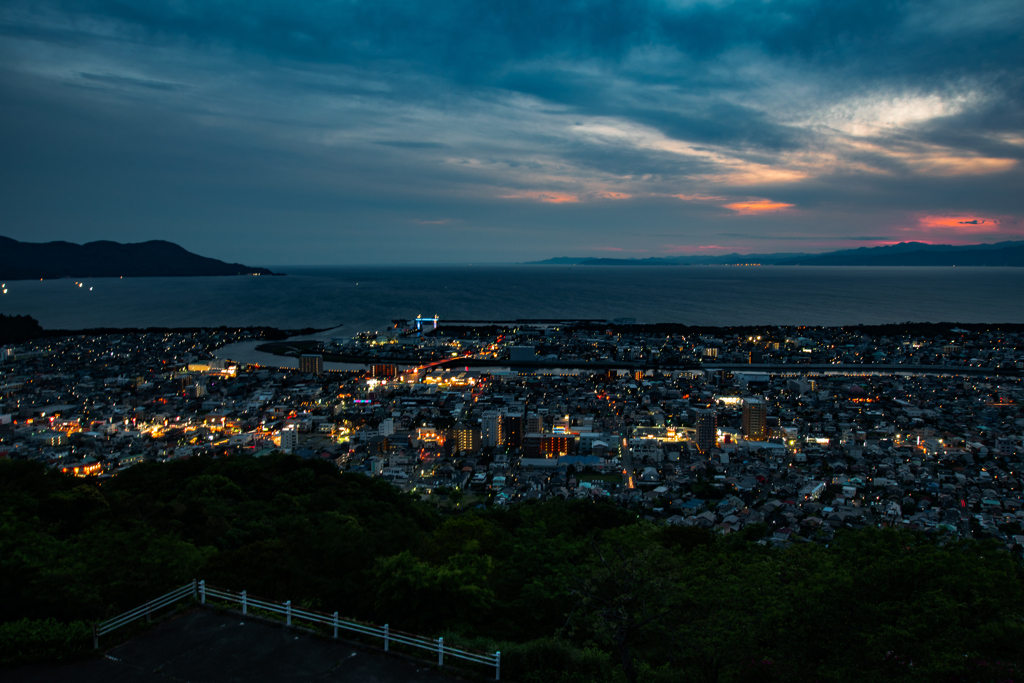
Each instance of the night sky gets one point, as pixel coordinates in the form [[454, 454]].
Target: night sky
[[469, 131]]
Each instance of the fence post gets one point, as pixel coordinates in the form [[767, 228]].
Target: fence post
[[195, 589], [440, 651], [497, 665], [95, 637], [335, 624], [245, 603], [387, 637], [202, 592], [288, 612]]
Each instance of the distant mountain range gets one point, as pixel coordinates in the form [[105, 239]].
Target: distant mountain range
[[902, 254], [35, 260]]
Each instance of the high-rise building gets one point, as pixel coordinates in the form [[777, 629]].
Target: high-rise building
[[534, 423], [531, 445], [548, 445], [491, 429], [755, 418], [555, 445], [289, 439], [465, 438], [707, 429], [311, 363], [384, 371], [513, 431]]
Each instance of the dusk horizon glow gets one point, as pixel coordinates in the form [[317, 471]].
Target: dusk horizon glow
[[452, 132]]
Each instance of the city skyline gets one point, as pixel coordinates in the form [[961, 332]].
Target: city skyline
[[452, 132]]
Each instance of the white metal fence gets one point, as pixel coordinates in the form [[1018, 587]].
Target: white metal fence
[[142, 611], [199, 591]]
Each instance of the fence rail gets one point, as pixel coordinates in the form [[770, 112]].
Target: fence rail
[[199, 591], [142, 611]]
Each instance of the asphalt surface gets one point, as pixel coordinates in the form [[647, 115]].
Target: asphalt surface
[[206, 646]]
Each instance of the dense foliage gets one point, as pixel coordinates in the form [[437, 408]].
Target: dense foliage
[[15, 329], [567, 590]]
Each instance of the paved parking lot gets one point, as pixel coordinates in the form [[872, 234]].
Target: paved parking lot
[[205, 646]]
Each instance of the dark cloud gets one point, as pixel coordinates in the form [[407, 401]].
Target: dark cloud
[[724, 123], [474, 40], [125, 81], [410, 144], [349, 122]]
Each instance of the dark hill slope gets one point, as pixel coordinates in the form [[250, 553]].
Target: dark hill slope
[[1005, 256], [157, 258]]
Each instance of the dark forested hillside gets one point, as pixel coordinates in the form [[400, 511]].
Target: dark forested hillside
[[569, 591], [156, 258], [15, 329]]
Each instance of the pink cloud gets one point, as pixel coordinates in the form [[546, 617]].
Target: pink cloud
[[745, 207], [757, 206], [699, 198], [614, 195], [957, 223], [966, 228], [547, 197]]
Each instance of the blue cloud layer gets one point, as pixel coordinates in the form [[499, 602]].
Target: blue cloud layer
[[510, 130]]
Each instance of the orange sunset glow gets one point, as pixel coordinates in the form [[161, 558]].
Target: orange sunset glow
[[965, 224], [546, 197], [757, 206]]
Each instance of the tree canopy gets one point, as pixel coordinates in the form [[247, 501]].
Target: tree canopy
[[568, 591]]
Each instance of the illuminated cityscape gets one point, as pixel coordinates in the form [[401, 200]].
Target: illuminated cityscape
[[834, 428], [610, 341]]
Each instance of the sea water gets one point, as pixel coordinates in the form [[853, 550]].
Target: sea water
[[356, 298], [361, 298]]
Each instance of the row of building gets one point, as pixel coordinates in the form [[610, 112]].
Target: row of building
[[801, 453]]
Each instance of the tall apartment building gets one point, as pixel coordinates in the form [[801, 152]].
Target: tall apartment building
[[755, 418], [289, 439], [514, 427], [553, 445], [707, 430], [492, 429], [311, 363], [548, 445], [384, 371], [534, 423], [465, 438]]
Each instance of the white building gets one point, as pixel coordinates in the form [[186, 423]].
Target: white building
[[289, 439]]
